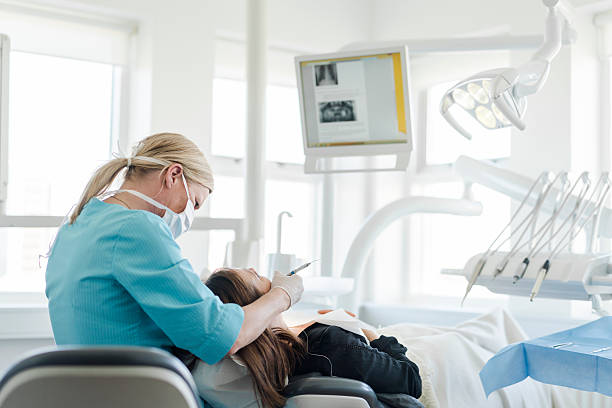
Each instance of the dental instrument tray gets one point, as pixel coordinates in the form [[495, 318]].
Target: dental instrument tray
[[570, 276], [579, 358], [552, 238]]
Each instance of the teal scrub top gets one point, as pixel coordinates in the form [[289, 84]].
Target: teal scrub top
[[116, 276]]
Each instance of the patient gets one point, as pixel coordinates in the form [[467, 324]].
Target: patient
[[281, 352], [448, 359]]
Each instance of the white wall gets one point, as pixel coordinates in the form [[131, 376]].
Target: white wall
[[310, 26], [564, 120], [586, 95], [409, 19]]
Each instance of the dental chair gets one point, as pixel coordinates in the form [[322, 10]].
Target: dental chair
[[135, 377]]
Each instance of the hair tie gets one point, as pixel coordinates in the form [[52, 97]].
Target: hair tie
[[129, 163]]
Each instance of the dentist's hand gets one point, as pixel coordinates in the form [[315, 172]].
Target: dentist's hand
[[261, 314], [292, 285]]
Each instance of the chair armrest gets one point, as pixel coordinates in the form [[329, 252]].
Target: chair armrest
[[319, 385]]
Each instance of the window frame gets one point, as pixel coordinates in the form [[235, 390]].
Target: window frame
[[235, 166], [420, 173], [34, 302], [226, 166], [119, 122], [117, 136], [276, 171]]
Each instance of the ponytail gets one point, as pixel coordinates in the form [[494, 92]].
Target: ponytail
[[99, 183], [154, 153]]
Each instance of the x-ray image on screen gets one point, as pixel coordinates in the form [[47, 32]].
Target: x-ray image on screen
[[326, 75], [337, 111]]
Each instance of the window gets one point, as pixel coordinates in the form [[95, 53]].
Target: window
[[65, 87], [227, 201], [287, 188], [448, 241], [297, 197], [228, 118], [283, 125], [434, 241], [61, 118], [19, 256], [414, 253]]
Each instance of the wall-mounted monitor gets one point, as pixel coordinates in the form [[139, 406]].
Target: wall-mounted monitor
[[355, 103]]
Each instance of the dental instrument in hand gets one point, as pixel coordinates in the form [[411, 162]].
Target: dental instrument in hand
[[535, 249], [482, 261], [299, 268], [604, 187]]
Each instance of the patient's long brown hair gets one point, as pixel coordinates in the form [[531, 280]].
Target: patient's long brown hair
[[272, 357]]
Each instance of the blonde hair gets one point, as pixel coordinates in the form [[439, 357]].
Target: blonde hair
[[167, 148]]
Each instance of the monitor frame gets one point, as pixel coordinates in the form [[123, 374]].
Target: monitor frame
[[359, 149]]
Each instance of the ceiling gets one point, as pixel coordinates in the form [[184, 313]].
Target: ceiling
[[592, 5], [579, 3]]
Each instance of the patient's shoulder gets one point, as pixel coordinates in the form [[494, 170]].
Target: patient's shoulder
[[332, 335]]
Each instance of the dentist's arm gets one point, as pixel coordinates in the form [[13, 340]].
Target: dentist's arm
[[285, 292]]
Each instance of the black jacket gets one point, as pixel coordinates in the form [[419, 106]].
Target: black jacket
[[382, 365]]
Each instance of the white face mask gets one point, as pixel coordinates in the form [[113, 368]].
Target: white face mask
[[182, 222], [178, 223]]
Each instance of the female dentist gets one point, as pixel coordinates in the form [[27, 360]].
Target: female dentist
[[116, 275]]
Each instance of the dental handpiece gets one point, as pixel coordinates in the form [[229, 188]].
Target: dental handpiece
[[477, 271], [299, 268], [520, 270], [538, 283], [570, 234]]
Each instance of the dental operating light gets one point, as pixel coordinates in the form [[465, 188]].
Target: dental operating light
[[497, 98]]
